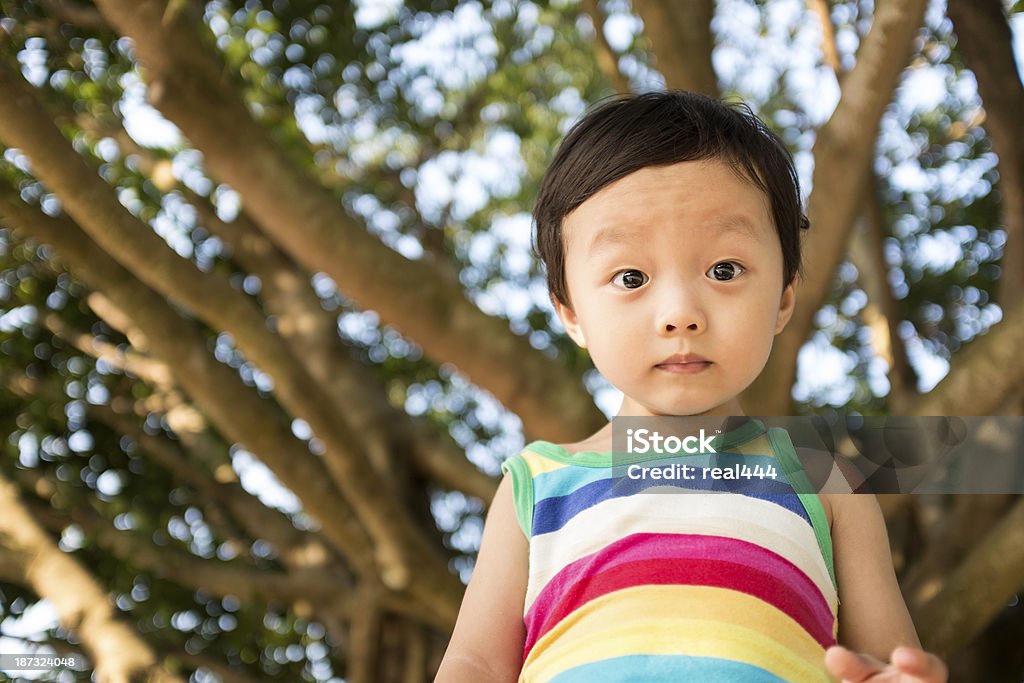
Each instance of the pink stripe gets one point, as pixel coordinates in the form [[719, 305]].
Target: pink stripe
[[572, 582]]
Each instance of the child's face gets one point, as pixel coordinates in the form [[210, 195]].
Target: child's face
[[655, 265]]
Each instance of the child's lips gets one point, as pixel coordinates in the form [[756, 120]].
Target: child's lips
[[690, 368]]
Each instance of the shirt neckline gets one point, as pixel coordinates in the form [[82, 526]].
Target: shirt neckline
[[748, 430]]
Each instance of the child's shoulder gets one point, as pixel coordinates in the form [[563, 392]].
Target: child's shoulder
[[566, 453], [586, 446], [829, 502], [855, 512], [598, 442]]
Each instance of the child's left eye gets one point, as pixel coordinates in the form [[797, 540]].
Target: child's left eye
[[725, 271]]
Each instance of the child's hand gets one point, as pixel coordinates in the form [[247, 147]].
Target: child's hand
[[909, 665]]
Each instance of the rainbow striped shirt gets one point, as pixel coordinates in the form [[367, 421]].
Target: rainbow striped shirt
[[716, 586]]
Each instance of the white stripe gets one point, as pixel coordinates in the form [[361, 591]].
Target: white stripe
[[754, 520]]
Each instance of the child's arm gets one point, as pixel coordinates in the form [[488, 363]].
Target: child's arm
[[873, 617], [487, 644]]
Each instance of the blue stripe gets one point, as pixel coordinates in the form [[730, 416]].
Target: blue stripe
[[565, 480], [552, 513], [653, 668]]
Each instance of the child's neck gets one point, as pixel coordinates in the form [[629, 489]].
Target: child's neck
[[724, 418], [731, 408]]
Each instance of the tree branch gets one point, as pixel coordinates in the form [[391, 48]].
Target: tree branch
[[312, 334], [13, 566], [364, 640], [399, 546], [978, 589], [883, 313], [607, 60], [830, 53], [231, 406], [299, 551], [235, 409], [967, 522], [118, 653], [224, 671], [388, 434], [867, 251], [186, 83], [986, 373], [309, 588], [152, 371], [680, 38], [81, 15], [415, 665], [248, 584], [296, 549], [986, 43], [846, 141]]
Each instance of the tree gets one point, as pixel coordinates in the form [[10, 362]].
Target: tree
[[321, 268]]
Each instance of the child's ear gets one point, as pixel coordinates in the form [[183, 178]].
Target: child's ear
[[569, 322], [786, 306]]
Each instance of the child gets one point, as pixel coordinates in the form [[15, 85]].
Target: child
[[670, 227]]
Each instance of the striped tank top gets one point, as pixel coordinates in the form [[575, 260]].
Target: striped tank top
[[663, 586]]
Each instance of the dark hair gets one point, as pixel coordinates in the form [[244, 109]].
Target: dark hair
[[632, 132]]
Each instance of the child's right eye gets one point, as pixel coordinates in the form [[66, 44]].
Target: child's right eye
[[631, 279]]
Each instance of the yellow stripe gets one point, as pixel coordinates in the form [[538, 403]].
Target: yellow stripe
[[711, 622], [759, 446], [539, 464]]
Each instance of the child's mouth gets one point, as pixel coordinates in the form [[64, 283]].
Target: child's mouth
[[685, 368]]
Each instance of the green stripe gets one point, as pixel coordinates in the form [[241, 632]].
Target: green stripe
[[522, 491], [720, 442], [783, 446]]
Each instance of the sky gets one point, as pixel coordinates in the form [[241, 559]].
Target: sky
[[466, 181]]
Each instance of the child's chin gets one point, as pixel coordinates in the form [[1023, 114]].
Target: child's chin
[[685, 409]]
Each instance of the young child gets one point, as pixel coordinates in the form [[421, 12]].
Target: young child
[[670, 227]]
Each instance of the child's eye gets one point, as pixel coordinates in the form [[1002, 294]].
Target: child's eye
[[725, 271], [631, 279]]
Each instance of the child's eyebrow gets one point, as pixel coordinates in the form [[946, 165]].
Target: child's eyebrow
[[608, 237], [739, 226], [735, 225]]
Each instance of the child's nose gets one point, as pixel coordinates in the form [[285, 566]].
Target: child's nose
[[681, 309]]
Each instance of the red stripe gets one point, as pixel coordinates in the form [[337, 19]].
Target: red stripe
[[678, 548], [601, 576]]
